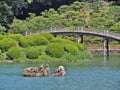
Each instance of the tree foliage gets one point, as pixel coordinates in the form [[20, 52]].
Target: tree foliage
[[46, 14]]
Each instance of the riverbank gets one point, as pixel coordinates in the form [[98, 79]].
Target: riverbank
[[97, 49], [39, 61], [101, 51]]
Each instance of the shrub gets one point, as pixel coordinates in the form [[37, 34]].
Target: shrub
[[55, 50], [39, 40], [16, 37], [6, 43], [42, 49], [26, 41], [72, 49], [1, 55], [79, 56], [33, 40], [48, 36], [14, 52], [61, 41], [32, 53], [2, 37], [81, 47]]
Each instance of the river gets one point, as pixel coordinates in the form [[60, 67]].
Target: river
[[98, 74]]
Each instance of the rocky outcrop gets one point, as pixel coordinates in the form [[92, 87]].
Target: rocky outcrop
[[59, 71], [43, 71], [37, 72]]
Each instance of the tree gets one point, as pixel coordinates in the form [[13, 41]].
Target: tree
[[6, 15], [17, 5], [2, 28], [114, 13], [63, 9], [19, 26], [116, 27]]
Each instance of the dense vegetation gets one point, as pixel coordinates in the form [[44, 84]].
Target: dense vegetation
[[64, 13], [52, 48]]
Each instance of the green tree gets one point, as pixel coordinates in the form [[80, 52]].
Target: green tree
[[63, 9], [114, 13], [17, 5], [19, 26], [116, 27], [6, 15], [2, 28]]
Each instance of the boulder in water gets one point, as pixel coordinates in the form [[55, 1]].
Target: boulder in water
[[59, 71], [37, 72]]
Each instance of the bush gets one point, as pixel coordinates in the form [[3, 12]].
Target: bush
[[79, 56], [6, 43], [39, 40], [26, 41], [48, 36], [32, 53], [33, 40], [61, 41], [42, 49], [55, 50], [81, 47], [1, 55], [72, 49], [14, 52], [16, 37], [2, 37]]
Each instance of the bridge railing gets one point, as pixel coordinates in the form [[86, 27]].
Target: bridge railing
[[102, 32], [88, 30]]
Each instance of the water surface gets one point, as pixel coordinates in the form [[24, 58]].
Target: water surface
[[97, 74]]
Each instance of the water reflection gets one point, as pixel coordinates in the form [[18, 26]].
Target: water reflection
[[106, 59]]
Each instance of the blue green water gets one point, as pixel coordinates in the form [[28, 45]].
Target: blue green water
[[97, 74]]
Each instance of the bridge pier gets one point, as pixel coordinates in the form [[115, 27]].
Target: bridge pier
[[80, 38], [106, 47]]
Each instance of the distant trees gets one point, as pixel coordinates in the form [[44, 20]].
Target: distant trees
[[82, 14], [6, 14]]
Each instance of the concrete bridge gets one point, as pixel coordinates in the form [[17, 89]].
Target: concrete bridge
[[105, 34]]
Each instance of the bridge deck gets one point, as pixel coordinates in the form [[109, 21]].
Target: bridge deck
[[102, 33]]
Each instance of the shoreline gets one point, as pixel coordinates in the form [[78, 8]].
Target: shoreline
[[39, 61], [93, 51], [101, 51]]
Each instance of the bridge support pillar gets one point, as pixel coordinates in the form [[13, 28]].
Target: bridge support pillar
[[80, 38], [106, 47]]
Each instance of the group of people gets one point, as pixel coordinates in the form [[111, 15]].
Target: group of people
[[43, 71]]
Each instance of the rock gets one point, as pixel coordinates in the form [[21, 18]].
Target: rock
[[41, 68], [30, 71], [37, 72], [59, 71], [47, 69], [61, 68], [41, 71], [45, 73]]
